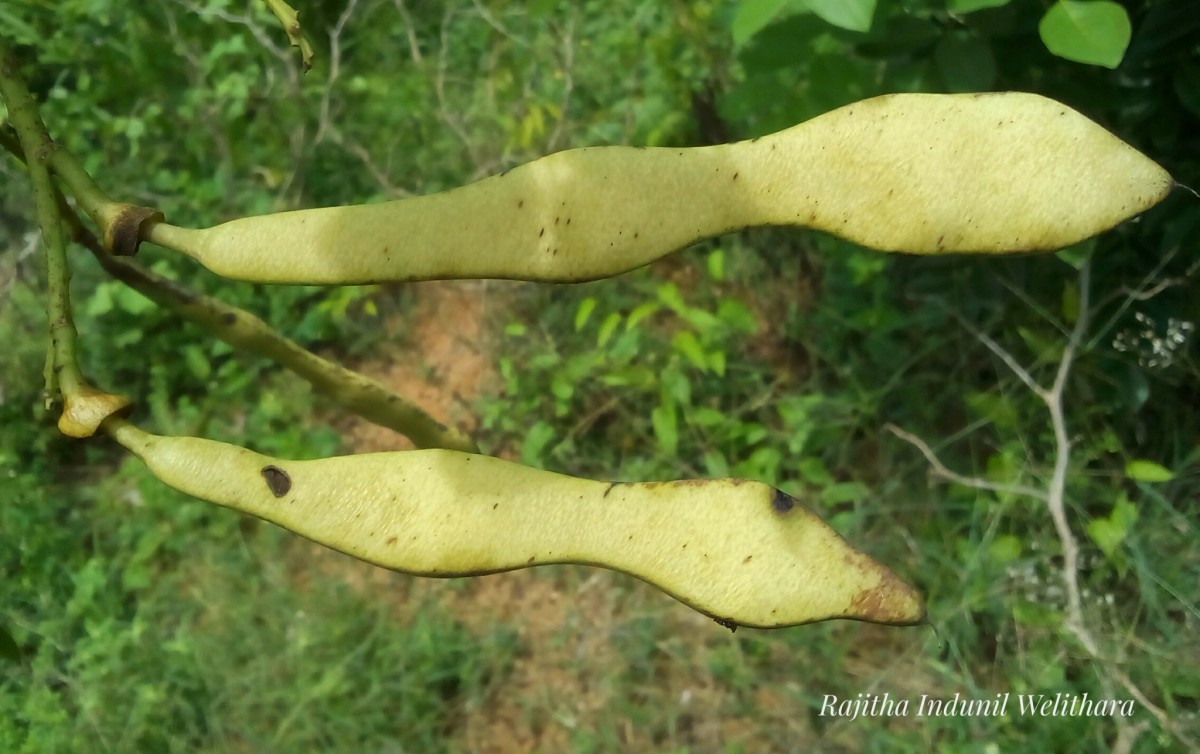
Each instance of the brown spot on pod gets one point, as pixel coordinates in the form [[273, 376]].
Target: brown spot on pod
[[277, 479], [782, 503], [727, 623]]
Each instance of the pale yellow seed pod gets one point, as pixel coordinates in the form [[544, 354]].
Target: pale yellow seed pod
[[917, 173], [739, 551]]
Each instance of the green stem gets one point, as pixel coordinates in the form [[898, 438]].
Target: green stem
[[84, 407], [37, 145]]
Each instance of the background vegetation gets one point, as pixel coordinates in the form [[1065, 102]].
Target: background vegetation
[[144, 621]]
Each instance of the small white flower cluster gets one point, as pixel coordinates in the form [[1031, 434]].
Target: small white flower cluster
[[1154, 350], [1038, 581]]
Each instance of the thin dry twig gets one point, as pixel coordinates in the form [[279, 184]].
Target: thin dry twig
[[414, 49], [938, 469]]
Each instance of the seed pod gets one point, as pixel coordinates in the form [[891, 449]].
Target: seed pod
[[917, 173], [739, 551]]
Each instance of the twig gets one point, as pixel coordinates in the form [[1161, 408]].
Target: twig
[[84, 407], [414, 49], [939, 469]]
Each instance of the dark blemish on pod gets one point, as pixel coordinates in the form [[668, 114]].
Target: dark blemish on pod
[[277, 480], [727, 623], [229, 318], [748, 559], [390, 541], [495, 506], [735, 175], [541, 232], [520, 203], [782, 503]]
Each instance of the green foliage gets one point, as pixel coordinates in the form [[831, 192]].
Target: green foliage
[[1087, 31]]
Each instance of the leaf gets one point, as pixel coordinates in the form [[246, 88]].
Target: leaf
[[844, 492], [685, 343], [665, 429], [752, 16], [539, 436], [716, 265], [1077, 254], [607, 328], [1004, 549], [1147, 471], [639, 313], [1095, 32], [716, 361], [584, 311], [854, 15], [737, 315], [1108, 533]]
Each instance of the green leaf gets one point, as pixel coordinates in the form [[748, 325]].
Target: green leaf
[[607, 327], [737, 315], [1108, 533], [968, 6], [586, 307], [538, 437], [1078, 254], [715, 464], [1095, 32], [665, 429], [685, 343], [854, 15], [668, 293], [813, 471], [752, 16], [1147, 471], [129, 300], [716, 265], [844, 492], [639, 313], [716, 361], [101, 301], [197, 361], [1004, 549], [703, 416]]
